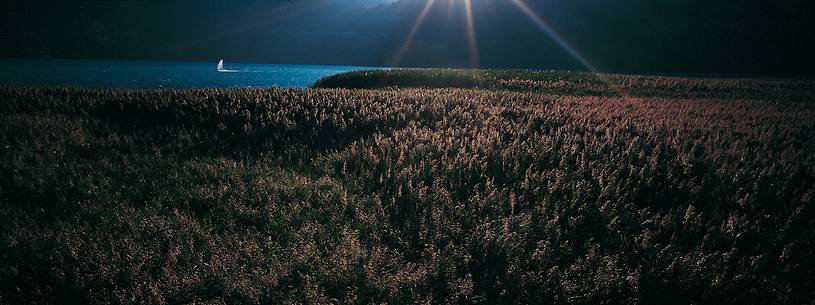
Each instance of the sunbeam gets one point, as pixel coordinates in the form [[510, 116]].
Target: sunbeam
[[546, 28], [416, 26], [471, 38]]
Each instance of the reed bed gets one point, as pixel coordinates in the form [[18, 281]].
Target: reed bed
[[407, 195]]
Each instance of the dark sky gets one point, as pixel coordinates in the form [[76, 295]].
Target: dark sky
[[755, 37]]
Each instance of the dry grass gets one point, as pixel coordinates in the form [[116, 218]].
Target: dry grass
[[403, 196]]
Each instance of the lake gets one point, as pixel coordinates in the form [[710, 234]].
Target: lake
[[160, 74]]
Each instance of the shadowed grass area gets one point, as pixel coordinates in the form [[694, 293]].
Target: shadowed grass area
[[576, 83], [408, 78], [408, 195]]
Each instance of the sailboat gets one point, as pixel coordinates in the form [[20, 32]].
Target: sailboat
[[221, 69]]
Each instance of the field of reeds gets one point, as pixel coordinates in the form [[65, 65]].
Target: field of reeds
[[577, 83], [689, 194]]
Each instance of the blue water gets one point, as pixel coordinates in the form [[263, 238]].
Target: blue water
[[155, 74]]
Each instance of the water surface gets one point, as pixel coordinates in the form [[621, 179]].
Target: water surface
[[160, 74]]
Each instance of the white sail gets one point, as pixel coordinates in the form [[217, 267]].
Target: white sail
[[220, 68]]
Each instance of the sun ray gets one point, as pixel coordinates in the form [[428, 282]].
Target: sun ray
[[546, 28], [416, 26], [450, 4], [471, 38]]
